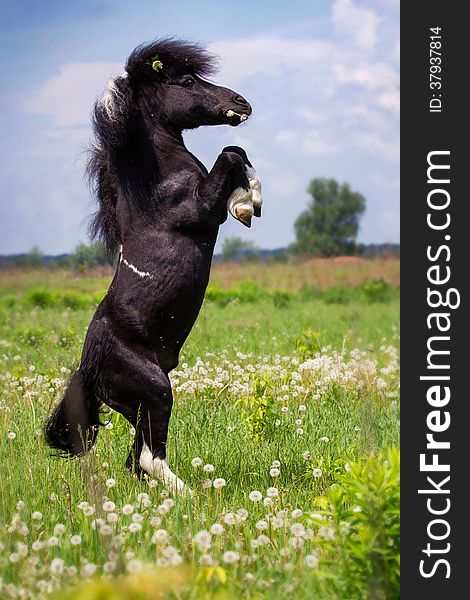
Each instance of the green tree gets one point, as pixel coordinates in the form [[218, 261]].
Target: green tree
[[330, 224], [235, 247], [84, 257]]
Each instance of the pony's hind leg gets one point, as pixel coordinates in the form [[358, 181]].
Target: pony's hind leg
[[141, 392]]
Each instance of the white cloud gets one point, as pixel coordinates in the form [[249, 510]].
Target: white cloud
[[69, 96], [357, 23], [322, 107]]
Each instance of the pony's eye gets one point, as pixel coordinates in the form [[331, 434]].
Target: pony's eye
[[188, 82]]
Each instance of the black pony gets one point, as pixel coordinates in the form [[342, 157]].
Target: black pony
[[161, 208]]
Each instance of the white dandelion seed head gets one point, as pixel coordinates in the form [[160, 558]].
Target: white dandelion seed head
[[217, 529], [59, 529], [230, 557], [88, 570], [196, 462], [219, 483], [57, 566], [255, 496], [127, 509], [311, 561]]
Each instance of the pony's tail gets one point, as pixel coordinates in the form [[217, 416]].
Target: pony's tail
[[73, 426]]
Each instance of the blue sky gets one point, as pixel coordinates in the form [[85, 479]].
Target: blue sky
[[322, 76]]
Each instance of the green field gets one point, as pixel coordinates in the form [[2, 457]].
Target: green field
[[290, 390]]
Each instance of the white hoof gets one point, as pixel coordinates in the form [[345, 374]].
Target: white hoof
[[240, 205], [159, 469]]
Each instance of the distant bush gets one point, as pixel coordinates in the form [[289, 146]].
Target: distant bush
[[281, 298], [338, 295], [377, 291], [41, 298]]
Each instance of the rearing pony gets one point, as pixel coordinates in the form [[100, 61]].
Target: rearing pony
[[160, 207]]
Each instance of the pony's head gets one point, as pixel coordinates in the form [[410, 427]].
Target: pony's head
[[165, 82]]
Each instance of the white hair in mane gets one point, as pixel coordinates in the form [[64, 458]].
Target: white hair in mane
[[110, 96]]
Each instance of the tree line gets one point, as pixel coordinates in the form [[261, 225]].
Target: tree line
[[327, 228]]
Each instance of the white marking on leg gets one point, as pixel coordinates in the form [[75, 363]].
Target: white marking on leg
[[158, 468]]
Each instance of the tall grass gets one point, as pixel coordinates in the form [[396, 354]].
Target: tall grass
[[295, 398]]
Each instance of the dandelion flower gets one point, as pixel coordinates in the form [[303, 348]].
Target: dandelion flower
[[135, 527], [106, 530], [311, 561], [317, 472], [203, 539], [276, 464], [59, 529], [277, 522], [109, 567], [112, 517], [209, 468], [296, 542], [206, 484], [274, 472], [11, 435], [272, 492], [306, 455], [14, 557], [255, 496], [36, 516], [219, 483], [297, 529], [134, 566], [127, 509], [297, 513], [325, 439], [76, 540], [37, 545], [110, 482], [268, 502], [242, 513], [161, 535], [230, 519], [217, 529], [53, 541], [230, 557], [196, 462], [261, 525], [88, 510], [88, 570], [57, 566]]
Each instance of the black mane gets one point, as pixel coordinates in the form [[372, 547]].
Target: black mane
[[114, 119]]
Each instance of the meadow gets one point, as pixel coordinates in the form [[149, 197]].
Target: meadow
[[285, 424]]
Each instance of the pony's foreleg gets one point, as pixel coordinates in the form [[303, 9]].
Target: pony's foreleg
[[228, 176]]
